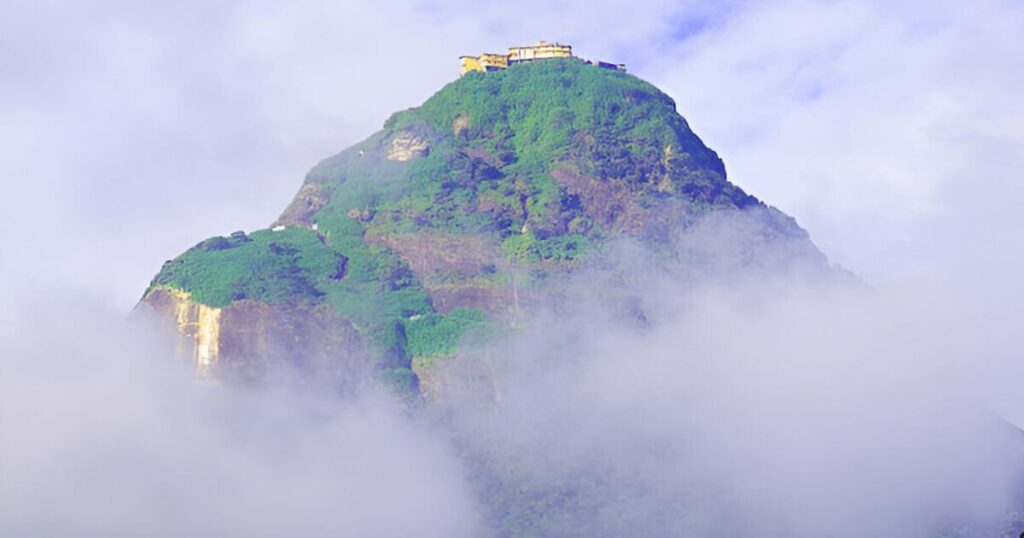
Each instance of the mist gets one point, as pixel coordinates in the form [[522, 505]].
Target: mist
[[746, 401], [747, 404], [105, 433], [770, 408]]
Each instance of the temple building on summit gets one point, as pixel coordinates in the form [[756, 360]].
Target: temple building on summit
[[541, 50]]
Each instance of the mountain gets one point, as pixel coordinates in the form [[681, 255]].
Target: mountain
[[460, 220]]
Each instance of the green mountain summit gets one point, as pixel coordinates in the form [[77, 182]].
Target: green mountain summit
[[458, 219]]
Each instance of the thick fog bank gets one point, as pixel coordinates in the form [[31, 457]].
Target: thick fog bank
[[103, 434], [755, 405], [738, 403], [718, 403]]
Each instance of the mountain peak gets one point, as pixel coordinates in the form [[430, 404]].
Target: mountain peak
[[465, 214]]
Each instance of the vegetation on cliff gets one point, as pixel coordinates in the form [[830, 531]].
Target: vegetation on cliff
[[266, 266], [487, 195]]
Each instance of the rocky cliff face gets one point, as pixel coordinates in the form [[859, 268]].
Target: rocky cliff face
[[197, 325], [246, 340], [460, 218]]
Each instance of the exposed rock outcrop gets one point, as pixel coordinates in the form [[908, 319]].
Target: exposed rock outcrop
[[247, 340], [406, 145], [310, 199]]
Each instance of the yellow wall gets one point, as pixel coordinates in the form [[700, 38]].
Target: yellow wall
[[483, 62], [538, 51], [470, 63], [499, 61]]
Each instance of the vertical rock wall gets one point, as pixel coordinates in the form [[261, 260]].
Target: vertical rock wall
[[248, 340]]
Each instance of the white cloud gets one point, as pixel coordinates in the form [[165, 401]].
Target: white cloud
[[865, 120], [103, 436], [772, 408]]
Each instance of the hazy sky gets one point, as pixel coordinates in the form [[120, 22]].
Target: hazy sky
[[132, 131]]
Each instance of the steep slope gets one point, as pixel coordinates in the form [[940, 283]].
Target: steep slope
[[463, 215]]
